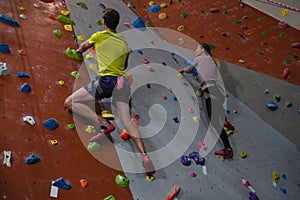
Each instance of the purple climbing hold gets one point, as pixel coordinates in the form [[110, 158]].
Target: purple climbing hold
[[253, 196], [196, 157], [185, 160]]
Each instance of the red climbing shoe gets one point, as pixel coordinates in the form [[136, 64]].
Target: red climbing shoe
[[228, 125], [227, 153], [148, 165], [106, 132]]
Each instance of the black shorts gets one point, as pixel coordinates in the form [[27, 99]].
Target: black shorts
[[102, 86]]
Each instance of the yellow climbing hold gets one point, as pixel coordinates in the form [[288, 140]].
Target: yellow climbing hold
[[88, 56], [199, 93], [181, 41], [65, 12], [54, 142], [163, 5], [162, 16], [180, 28], [150, 178], [93, 67], [90, 129], [151, 3], [241, 61], [243, 154], [180, 75], [22, 8], [61, 82], [80, 37], [284, 12], [196, 119], [68, 27], [275, 176]]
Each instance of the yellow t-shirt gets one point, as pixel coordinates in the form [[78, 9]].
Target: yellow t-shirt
[[112, 52]]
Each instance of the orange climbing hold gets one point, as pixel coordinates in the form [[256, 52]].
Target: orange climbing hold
[[124, 135], [83, 183]]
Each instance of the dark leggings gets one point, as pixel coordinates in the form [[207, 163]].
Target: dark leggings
[[217, 102]]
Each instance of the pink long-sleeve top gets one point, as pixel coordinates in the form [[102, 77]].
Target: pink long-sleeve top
[[206, 68]]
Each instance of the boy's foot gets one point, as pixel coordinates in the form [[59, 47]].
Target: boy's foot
[[148, 165], [228, 125], [106, 132], [226, 153]]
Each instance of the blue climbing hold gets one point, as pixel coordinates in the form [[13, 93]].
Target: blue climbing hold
[[62, 183], [101, 5], [25, 88], [187, 63], [272, 106], [4, 48], [23, 75], [174, 98], [283, 190], [50, 124], [8, 20], [140, 52], [138, 23], [154, 9], [298, 111], [175, 119], [32, 159], [283, 176]]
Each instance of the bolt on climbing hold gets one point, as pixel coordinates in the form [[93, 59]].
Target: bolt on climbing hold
[[83, 183], [21, 52], [6, 159], [22, 8], [202, 145], [282, 190], [281, 34], [193, 174], [163, 5], [62, 183], [275, 177], [94, 147], [81, 37], [23, 16], [284, 12], [164, 97], [277, 98], [65, 19], [145, 61], [241, 61], [68, 27], [183, 15], [287, 61], [185, 160], [36, 5], [289, 104], [61, 82], [50, 124], [110, 197], [272, 106], [82, 5], [162, 16], [92, 67], [196, 119], [71, 126], [181, 28], [150, 178], [29, 119], [122, 180], [259, 19], [285, 73], [236, 21], [214, 10], [75, 74], [260, 53], [150, 69], [267, 91], [243, 154], [65, 12], [54, 142], [181, 41], [175, 119], [32, 159], [71, 53], [3, 69], [25, 88], [57, 33], [124, 135], [99, 22], [246, 183], [90, 129]]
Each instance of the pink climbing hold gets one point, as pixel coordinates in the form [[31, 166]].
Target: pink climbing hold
[[202, 145], [127, 24], [193, 174], [164, 97], [246, 182], [145, 61], [286, 73], [191, 110], [244, 26], [282, 25], [296, 45], [150, 68], [170, 89], [214, 10]]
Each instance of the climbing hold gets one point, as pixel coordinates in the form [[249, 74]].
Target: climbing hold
[[285, 73], [62, 183], [36, 5], [196, 157], [83, 183], [127, 24], [175, 119], [191, 110], [284, 12], [93, 67], [237, 21], [57, 33], [70, 126], [65, 19], [264, 33], [163, 5], [82, 5], [281, 34], [162, 16], [140, 52], [88, 56], [110, 197], [164, 97], [23, 16], [4, 48], [224, 34], [183, 15], [8, 20], [174, 98], [3, 69], [181, 28], [181, 41], [124, 135], [150, 69], [98, 22], [185, 160], [68, 27], [193, 174], [29, 119], [81, 37], [272, 106], [71, 53], [199, 92], [54, 142], [289, 104], [21, 52], [32, 159], [275, 176], [295, 45], [245, 17], [94, 147], [122, 180], [65, 12], [244, 26], [283, 176], [283, 190], [138, 23], [6, 159], [287, 61], [151, 3], [241, 61], [214, 10], [101, 5], [202, 145], [243, 154], [282, 25], [150, 178], [277, 97], [148, 85], [22, 8], [259, 19], [52, 17], [154, 8], [25, 88], [145, 61], [180, 75], [235, 111], [90, 129], [267, 91], [260, 53], [170, 89], [253, 196], [51, 124]]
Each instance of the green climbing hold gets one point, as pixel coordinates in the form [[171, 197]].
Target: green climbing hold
[[260, 53], [110, 197], [122, 180], [264, 33], [278, 98], [94, 147], [225, 12], [178, 0], [65, 19], [287, 61], [90, 25], [212, 46], [99, 22], [259, 19], [71, 126], [183, 15], [237, 21], [71, 53], [289, 104], [298, 185], [75, 74], [82, 5], [57, 33], [281, 34]]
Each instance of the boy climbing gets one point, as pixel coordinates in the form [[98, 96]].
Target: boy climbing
[[112, 56], [207, 69]]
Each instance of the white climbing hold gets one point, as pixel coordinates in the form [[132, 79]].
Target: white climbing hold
[[29, 119], [7, 157]]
